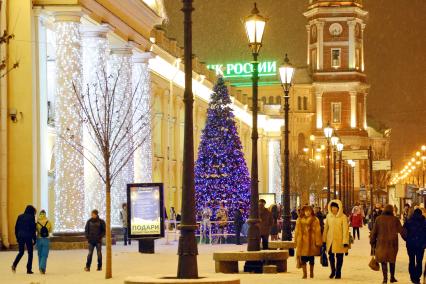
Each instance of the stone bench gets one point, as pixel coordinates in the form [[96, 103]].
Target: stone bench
[[282, 245], [227, 262]]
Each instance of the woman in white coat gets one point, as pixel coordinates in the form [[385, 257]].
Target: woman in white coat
[[336, 237]]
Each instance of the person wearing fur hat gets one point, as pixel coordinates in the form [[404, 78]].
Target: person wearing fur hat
[[384, 240], [308, 239], [336, 237]]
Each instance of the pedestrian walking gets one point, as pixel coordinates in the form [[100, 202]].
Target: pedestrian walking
[[94, 231], [206, 214], [44, 228], [265, 223], [415, 229], [384, 241], [377, 211], [25, 232], [294, 216], [356, 221], [308, 240], [336, 237], [274, 228], [238, 223], [222, 218], [406, 213], [124, 224], [320, 216]]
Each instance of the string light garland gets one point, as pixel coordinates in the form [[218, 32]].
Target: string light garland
[[95, 58], [141, 84], [69, 165], [221, 173]]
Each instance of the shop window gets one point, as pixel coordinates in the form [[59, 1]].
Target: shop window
[[271, 100], [336, 112], [278, 100], [335, 57]]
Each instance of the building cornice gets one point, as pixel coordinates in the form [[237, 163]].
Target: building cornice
[[335, 10]]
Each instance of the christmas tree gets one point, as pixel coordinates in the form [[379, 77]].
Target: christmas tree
[[221, 173]]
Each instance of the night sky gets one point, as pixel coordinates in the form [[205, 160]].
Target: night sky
[[395, 53]]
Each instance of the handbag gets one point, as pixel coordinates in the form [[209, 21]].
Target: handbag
[[374, 265], [323, 257]]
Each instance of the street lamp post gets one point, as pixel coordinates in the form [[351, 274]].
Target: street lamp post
[[334, 142], [286, 76], [328, 132], [187, 250], [255, 26], [340, 149]]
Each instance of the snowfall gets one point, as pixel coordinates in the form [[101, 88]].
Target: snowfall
[[66, 267]]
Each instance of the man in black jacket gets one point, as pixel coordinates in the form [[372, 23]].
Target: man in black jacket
[[94, 231], [416, 242], [25, 232]]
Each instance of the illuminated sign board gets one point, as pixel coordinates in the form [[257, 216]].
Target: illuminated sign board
[[242, 70], [145, 213]]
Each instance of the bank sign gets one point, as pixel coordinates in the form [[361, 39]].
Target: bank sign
[[145, 213], [244, 69]]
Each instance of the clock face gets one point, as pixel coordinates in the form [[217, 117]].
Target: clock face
[[336, 29], [314, 32]]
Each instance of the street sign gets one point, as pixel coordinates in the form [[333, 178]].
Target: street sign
[[382, 165], [355, 154], [244, 69]]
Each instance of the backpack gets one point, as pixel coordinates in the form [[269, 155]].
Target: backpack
[[44, 232]]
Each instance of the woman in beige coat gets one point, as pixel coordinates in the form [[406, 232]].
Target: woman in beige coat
[[336, 237], [308, 239]]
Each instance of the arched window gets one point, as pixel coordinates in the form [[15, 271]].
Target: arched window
[[278, 100], [305, 103], [263, 100], [271, 100], [299, 103], [300, 143]]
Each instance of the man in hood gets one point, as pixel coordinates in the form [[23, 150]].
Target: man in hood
[[25, 232], [336, 237]]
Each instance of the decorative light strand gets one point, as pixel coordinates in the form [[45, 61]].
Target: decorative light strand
[[69, 165]]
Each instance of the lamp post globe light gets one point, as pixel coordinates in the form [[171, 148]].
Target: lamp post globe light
[[328, 132], [255, 26], [334, 141], [286, 76]]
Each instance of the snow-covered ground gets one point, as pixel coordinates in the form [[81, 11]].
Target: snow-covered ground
[[66, 267]]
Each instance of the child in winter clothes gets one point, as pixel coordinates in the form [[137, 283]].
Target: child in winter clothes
[[356, 221], [308, 239], [44, 228]]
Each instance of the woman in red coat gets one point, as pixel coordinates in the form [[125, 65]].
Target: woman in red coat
[[356, 220]]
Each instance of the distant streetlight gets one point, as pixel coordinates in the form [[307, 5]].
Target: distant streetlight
[[328, 132], [286, 76]]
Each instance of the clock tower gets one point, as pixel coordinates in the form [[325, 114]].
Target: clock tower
[[335, 55]]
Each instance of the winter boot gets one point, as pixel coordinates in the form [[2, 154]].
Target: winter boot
[[305, 273], [311, 270], [385, 272], [392, 273]]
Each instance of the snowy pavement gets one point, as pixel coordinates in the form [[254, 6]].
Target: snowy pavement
[[66, 267]]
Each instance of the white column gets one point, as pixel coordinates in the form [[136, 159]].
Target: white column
[[365, 111], [308, 56], [353, 95], [69, 165], [95, 56], [120, 64], [141, 84], [351, 61], [320, 52], [319, 110]]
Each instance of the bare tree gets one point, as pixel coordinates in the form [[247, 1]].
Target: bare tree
[[118, 123], [5, 38]]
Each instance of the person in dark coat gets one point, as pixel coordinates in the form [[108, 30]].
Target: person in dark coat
[[384, 241], [94, 231], [238, 222], [320, 217], [275, 217], [265, 223], [415, 228], [25, 232]]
